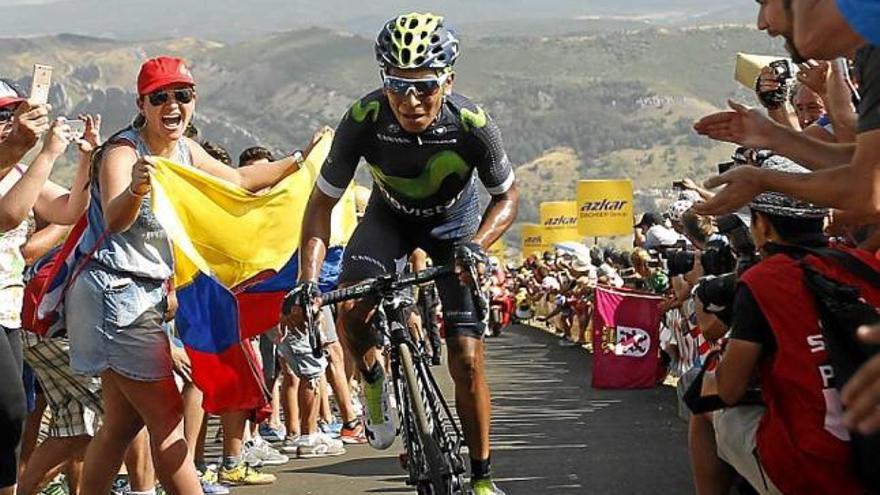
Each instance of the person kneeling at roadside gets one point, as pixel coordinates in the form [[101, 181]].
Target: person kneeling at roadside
[[797, 442]]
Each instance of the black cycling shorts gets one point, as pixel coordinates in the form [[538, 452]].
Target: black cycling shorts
[[382, 243]]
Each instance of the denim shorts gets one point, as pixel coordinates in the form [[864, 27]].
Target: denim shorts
[[115, 322], [296, 350]]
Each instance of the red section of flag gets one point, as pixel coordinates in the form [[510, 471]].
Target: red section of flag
[[219, 376], [258, 312], [626, 343]]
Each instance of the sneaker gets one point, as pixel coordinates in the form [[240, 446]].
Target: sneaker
[[330, 429], [267, 455], [356, 407], [272, 434], [244, 474], [209, 488], [486, 487], [58, 486], [381, 429], [290, 446], [355, 435], [120, 485], [319, 445], [209, 474]]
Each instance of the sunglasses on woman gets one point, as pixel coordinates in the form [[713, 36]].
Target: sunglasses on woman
[[183, 95], [419, 87], [6, 114]]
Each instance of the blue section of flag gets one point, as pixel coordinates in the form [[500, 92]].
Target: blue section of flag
[[285, 280], [207, 316]]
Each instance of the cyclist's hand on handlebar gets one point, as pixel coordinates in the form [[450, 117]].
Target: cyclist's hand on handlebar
[[469, 259], [293, 316]]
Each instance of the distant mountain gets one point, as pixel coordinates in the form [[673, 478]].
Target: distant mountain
[[235, 20], [620, 103]]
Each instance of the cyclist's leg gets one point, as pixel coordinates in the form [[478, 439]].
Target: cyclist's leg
[[376, 248], [464, 340]]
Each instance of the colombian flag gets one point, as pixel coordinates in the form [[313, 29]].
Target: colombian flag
[[235, 258]]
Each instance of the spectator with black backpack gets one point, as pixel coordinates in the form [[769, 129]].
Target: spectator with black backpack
[[794, 325]]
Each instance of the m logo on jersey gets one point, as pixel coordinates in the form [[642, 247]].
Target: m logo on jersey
[[439, 168], [632, 342]]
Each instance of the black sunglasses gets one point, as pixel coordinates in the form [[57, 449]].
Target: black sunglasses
[[6, 114], [183, 95]]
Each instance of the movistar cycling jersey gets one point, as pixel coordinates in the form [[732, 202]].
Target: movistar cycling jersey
[[429, 176]]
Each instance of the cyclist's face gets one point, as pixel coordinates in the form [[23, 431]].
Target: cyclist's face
[[416, 112]]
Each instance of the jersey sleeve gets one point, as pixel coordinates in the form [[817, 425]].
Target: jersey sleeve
[[342, 161], [493, 166]]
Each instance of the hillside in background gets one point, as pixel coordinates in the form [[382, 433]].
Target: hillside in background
[[587, 105], [234, 20]]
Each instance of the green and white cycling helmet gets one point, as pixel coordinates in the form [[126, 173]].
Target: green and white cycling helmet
[[417, 41]]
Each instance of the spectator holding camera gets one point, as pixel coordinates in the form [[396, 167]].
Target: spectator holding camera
[[24, 193], [846, 179], [801, 442]]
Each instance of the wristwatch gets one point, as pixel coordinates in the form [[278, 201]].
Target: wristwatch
[[298, 157]]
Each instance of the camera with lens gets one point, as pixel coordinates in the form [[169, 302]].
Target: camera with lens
[[717, 290], [776, 98], [716, 258]]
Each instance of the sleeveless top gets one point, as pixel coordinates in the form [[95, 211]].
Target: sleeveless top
[[143, 250], [12, 263]]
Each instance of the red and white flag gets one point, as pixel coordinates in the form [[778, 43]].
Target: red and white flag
[[626, 342]]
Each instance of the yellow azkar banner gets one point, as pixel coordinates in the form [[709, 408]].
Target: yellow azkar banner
[[559, 220], [533, 240], [605, 207]]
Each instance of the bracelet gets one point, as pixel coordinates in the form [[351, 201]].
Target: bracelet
[[137, 195]]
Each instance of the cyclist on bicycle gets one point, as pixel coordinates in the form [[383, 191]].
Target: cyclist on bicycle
[[425, 146]]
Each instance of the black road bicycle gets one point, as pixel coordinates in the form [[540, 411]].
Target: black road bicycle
[[431, 435]]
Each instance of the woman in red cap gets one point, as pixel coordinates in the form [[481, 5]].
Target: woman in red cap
[[119, 301]]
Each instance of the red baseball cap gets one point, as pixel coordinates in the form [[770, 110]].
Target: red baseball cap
[[159, 72], [10, 94]]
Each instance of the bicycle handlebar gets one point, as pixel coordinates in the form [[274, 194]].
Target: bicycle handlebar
[[385, 284]]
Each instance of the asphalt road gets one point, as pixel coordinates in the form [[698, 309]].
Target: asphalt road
[[552, 433]]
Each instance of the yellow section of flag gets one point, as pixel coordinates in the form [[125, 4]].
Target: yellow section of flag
[[222, 230]]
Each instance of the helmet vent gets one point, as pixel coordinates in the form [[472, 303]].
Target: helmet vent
[[405, 55], [413, 23], [408, 38]]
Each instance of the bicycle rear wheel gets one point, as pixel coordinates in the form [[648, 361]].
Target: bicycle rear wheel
[[439, 480]]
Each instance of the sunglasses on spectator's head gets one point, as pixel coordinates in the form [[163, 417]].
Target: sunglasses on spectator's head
[[6, 114], [183, 95], [419, 87]]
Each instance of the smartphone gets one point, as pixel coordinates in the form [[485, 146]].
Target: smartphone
[[77, 128], [40, 84], [678, 185]]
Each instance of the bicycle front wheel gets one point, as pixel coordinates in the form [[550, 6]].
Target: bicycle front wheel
[[439, 480]]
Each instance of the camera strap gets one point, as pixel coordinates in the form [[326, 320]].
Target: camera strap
[[852, 264]]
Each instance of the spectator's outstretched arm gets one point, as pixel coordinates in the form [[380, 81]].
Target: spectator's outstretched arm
[[854, 187], [749, 127], [821, 32], [861, 395]]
